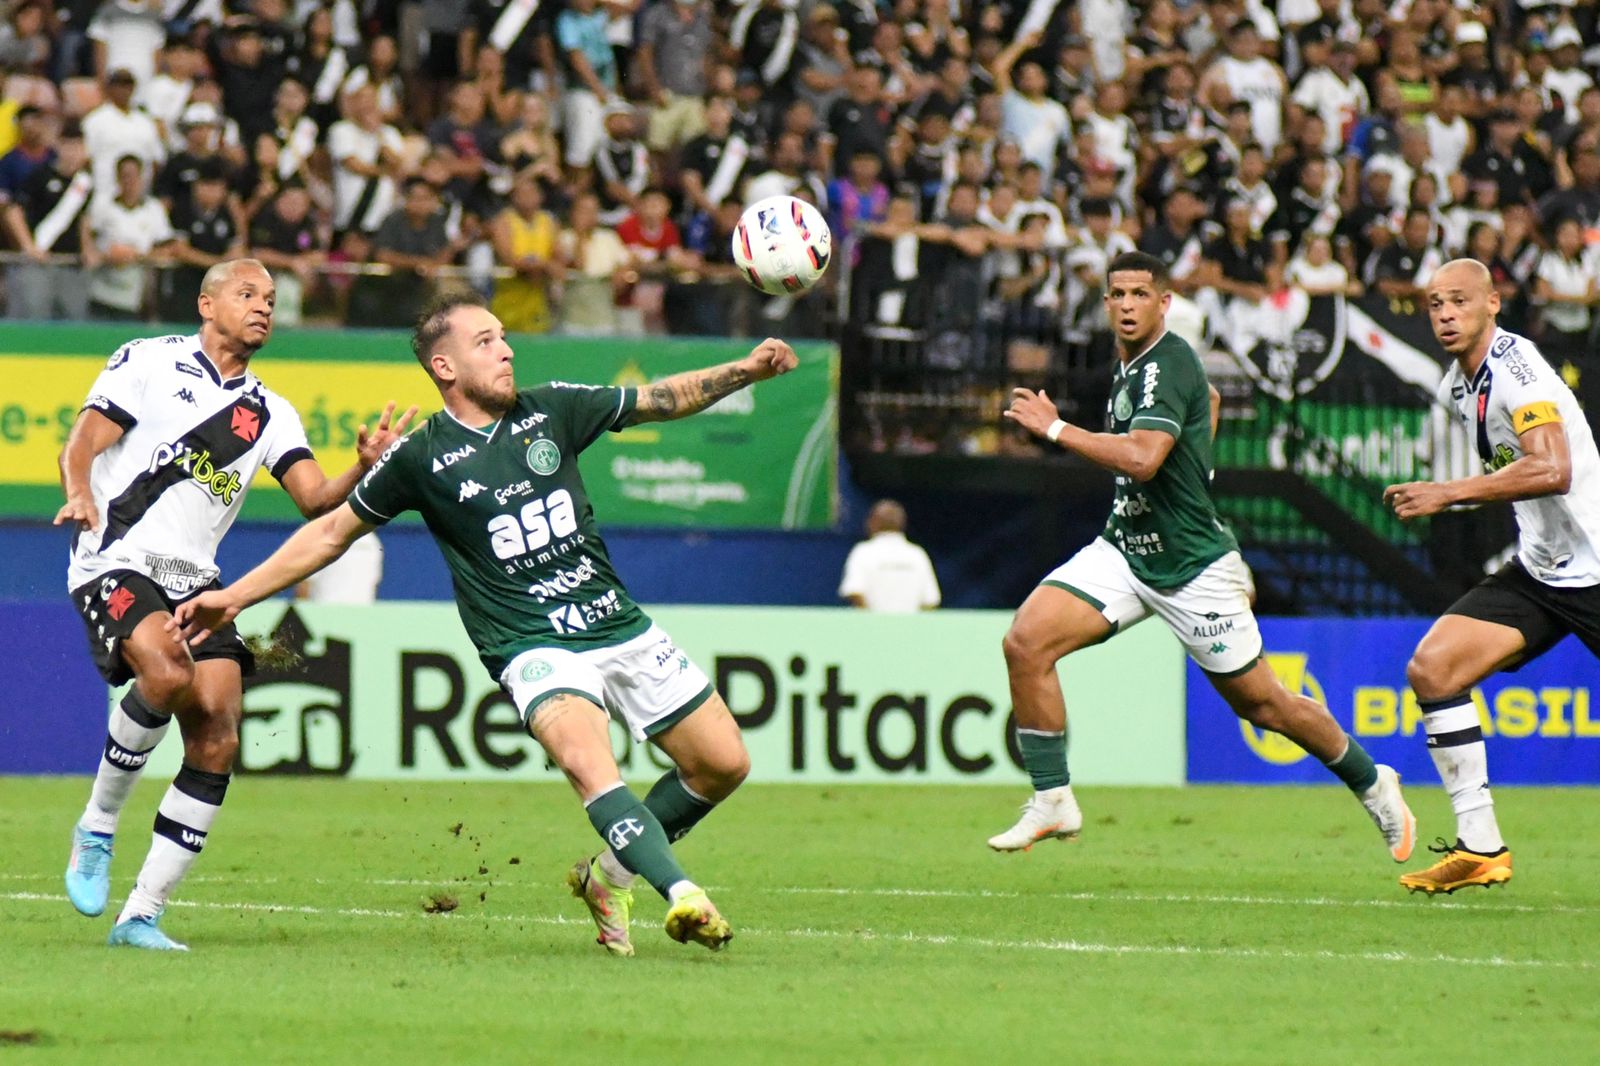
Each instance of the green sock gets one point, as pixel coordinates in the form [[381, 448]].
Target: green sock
[[675, 807], [1355, 767], [635, 836], [1045, 757]]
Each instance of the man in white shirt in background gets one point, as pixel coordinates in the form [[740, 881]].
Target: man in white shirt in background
[[887, 573], [115, 129], [352, 578]]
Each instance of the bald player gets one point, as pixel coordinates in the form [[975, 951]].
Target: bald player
[[154, 472], [886, 572], [1539, 455]]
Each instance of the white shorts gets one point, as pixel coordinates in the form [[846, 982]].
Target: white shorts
[[1210, 615], [646, 683]]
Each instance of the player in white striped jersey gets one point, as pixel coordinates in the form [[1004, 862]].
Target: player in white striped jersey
[[155, 470], [1539, 454]]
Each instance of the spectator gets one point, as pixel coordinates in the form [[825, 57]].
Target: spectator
[[524, 237], [530, 146], [36, 132], [1405, 69], [49, 216], [1411, 162], [115, 130], [765, 33], [413, 244], [1237, 266], [1484, 243], [859, 198], [1245, 74], [824, 61], [352, 578], [293, 131], [1306, 213], [1579, 198], [1175, 239], [466, 131], [859, 122], [208, 230], [1404, 267], [1028, 283], [1505, 159], [130, 229], [1566, 78], [1482, 206], [1473, 73], [1331, 91], [1450, 136], [285, 239], [1038, 124], [675, 39], [164, 96], [788, 176], [1098, 243], [716, 309], [249, 79], [656, 249], [591, 78], [201, 127], [322, 66], [1565, 288], [713, 163], [448, 55], [886, 573], [1249, 184], [501, 101], [622, 164], [366, 155], [126, 35], [1317, 273], [381, 73], [595, 261]]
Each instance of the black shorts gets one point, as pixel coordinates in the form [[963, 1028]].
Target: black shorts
[[1542, 613], [113, 605]]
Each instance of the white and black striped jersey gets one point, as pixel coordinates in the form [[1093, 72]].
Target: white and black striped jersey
[[1515, 390], [172, 484]]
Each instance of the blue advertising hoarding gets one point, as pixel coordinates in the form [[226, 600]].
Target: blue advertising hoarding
[[1542, 722], [53, 707]]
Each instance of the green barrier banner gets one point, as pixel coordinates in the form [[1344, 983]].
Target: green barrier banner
[[395, 692], [763, 458]]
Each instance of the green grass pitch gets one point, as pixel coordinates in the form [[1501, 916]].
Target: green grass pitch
[[1206, 925]]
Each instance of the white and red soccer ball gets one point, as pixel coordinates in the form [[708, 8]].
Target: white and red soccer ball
[[783, 245]]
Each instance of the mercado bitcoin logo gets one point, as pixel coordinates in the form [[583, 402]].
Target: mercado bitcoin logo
[[1271, 747]]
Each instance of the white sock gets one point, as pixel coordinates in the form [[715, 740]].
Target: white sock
[[1054, 795], [679, 890], [1455, 740], [618, 874], [182, 824], [132, 734]]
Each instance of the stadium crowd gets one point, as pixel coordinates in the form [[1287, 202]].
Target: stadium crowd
[[584, 163]]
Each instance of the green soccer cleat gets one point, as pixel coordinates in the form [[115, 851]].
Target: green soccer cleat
[[609, 906], [694, 917]]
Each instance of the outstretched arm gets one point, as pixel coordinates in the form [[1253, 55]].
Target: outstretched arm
[[1138, 454], [1216, 409], [313, 546], [1545, 469], [315, 493], [688, 393]]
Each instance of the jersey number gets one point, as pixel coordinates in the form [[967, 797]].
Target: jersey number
[[535, 526]]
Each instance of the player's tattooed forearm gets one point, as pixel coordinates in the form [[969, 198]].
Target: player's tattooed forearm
[[686, 394]]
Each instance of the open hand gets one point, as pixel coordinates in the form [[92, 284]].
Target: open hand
[[1417, 499], [79, 509], [194, 620], [369, 449], [1033, 411], [769, 359]]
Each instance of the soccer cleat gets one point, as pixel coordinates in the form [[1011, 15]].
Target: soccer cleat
[[1043, 818], [1389, 812], [141, 931], [694, 917], [89, 871], [609, 906], [1459, 868]]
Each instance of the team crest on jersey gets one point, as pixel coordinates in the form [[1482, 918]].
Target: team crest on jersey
[[1122, 408], [119, 357], [543, 456], [535, 669], [246, 425]]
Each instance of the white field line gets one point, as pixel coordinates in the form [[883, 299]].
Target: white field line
[[1164, 898], [1071, 947]]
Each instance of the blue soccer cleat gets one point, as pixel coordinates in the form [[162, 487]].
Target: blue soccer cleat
[[89, 871], [141, 931]]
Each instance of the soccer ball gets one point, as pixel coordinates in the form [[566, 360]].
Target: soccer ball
[[782, 245]]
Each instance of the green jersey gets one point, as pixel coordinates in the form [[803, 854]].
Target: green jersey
[[507, 506], [1167, 528]]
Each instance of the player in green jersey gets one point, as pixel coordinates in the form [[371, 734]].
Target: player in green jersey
[[1165, 552], [495, 476]]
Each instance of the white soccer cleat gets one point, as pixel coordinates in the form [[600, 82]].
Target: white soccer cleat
[[1389, 812], [1047, 815]]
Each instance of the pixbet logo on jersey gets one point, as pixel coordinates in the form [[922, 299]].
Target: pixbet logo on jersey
[[198, 465]]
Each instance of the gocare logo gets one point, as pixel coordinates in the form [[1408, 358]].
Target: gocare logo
[[521, 488], [221, 483]]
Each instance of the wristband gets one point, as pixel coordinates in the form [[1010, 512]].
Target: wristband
[[1054, 431]]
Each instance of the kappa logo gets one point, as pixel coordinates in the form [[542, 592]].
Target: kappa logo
[[452, 458], [529, 422], [1218, 648], [186, 396], [469, 489], [621, 832], [118, 602], [544, 457], [246, 425]]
